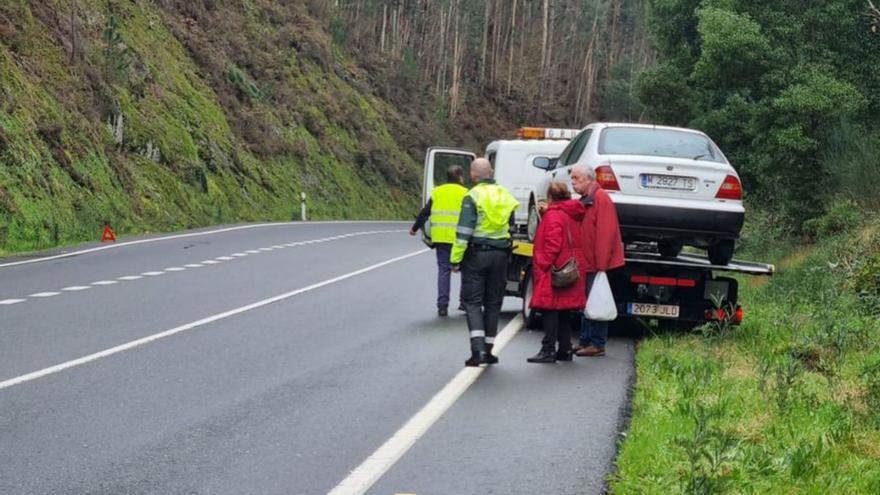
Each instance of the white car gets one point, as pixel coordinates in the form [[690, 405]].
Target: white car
[[512, 160], [670, 185]]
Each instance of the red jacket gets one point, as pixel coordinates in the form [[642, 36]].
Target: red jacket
[[552, 249], [602, 241]]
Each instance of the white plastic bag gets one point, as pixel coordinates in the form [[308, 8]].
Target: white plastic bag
[[600, 301]]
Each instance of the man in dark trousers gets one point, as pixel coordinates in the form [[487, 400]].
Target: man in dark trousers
[[443, 209], [603, 249], [481, 250]]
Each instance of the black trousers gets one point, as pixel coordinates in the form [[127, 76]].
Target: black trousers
[[557, 327], [483, 282]]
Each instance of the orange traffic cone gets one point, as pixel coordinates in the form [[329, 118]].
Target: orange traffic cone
[[108, 234]]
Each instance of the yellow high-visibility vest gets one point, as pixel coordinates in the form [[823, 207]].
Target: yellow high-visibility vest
[[445, 208]]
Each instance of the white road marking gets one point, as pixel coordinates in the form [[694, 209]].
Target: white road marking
[[364, 476], [174, 269], [130, 277], [278, 246], [204, 321], [9, 302], [253, 251], [44, 294], [194, 265], [210, 262], [224, 258], [76, 288], [267, 249], [239, 255], [152, 274], [105, 282], [191, 234]]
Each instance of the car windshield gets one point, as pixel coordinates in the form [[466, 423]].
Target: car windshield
[[657, 142]]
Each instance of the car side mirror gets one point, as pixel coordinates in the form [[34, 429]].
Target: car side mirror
[[542, 162]]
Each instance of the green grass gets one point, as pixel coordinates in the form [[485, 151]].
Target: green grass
[[789, 402]]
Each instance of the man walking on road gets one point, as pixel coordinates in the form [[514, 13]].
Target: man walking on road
[[443, 209], [603, 249], [481, 249]]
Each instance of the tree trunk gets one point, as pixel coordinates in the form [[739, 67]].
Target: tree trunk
[[510, 50]]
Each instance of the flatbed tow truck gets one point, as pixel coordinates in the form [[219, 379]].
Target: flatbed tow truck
[[681, 292]]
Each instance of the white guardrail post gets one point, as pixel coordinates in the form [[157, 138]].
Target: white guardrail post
[[303, 206]]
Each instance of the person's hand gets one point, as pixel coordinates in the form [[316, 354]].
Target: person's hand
[[412, 231], [456, 268], [542, 207]]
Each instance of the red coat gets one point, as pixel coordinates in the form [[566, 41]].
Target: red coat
[[552, 249], [602, 241]]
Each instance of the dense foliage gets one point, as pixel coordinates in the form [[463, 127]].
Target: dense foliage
[[789, 89]]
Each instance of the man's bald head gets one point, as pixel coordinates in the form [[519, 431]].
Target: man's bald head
[[481, 169]]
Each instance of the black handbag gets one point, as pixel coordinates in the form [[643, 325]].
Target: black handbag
[[568, 274]]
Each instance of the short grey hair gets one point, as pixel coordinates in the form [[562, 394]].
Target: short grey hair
[[481, 169], [587, 171]]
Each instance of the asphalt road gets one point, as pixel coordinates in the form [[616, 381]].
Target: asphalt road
[[277, 359]]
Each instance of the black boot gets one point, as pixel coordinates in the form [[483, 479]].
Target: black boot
[[546, 355], [564, 355], [442, 311], [478, 352], [490, 358]]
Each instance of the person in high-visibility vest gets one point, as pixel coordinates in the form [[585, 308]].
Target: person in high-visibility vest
[[481, 251], [443, 209]]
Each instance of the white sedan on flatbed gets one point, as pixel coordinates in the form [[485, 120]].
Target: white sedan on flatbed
[[670, 185]]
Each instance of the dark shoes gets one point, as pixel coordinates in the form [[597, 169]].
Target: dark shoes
[[564, 355], [478, 358], [544, 356], [590, 351], [442, 311]]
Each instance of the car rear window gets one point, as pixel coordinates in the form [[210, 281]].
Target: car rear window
[[657, 142]]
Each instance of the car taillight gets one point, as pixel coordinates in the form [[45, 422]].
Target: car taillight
[[606, 178], [730, 189]]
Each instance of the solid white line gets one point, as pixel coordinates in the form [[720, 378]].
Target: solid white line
[[8, 302], [364, 476], [105, 282], [130, 277], [44, 294], [175, 269], [204, 321], [76, 288], [191, 234]]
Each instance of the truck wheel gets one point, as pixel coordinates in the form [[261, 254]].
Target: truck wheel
[[721, 252], [530, 316], [669, 248], [534, 220]]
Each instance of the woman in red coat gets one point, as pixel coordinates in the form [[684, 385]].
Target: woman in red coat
[[558, 239]]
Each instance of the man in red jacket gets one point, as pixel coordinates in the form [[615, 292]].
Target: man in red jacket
[[603, 249]]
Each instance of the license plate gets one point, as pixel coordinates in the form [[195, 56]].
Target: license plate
[[656, 310], [655, 181]]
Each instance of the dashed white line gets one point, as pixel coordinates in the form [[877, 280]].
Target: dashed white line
[[364, 476], [76, 288], [9, 302], [152, 274], [130, 277], [210, 262], [194, 265], [224, 258], [175, 269], [44, 294], [265, 249], [278, 246], [105, 282], [239, 255], [204, 321], [253, 251]]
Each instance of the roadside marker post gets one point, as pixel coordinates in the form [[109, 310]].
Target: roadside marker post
[[302, 204]]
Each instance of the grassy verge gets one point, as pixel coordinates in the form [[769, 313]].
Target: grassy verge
[[787, 403]]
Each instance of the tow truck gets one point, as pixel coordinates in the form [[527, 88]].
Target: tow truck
[[682, 291]]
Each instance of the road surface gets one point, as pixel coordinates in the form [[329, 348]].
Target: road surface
[[278, 359]]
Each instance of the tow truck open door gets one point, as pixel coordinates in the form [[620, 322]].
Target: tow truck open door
[[437, 161]]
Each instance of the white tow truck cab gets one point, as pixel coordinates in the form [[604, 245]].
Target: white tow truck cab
[[683, 291]]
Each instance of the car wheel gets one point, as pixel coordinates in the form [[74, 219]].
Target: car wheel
[[669, 248], [534, 220], [721, 252], [530, 316]]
